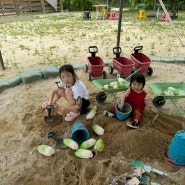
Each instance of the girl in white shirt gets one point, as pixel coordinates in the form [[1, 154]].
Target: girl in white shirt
[[73, 90]]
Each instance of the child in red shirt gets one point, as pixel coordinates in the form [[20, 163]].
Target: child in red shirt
[[136, 97]]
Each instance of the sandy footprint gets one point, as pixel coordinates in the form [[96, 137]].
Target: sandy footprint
[[70, 172]]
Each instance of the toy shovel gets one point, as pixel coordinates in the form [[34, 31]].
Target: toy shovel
[[49, 117], [58, 140], [150, 122]]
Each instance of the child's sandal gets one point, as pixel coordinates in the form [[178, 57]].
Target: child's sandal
[[71, 116], [133, 124]]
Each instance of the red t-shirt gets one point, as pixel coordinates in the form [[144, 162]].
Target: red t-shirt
[[136, 100]]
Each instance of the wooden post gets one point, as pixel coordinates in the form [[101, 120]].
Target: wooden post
[[16, 7], [43, 6], [61, 5], [1, 61], [2, 7]]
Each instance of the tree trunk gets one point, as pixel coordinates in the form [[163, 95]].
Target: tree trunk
[[1, 61], [61, 5]]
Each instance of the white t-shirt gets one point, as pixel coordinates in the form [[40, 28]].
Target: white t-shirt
[[79, 89]]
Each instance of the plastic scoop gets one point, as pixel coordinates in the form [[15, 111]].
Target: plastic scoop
[[49, 117], [150, 122], [59, 141]]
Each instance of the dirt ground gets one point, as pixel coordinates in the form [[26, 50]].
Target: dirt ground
[[23, 129]]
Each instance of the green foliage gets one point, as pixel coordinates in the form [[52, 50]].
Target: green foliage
[[23, 47], [82, 5], [78, 5]]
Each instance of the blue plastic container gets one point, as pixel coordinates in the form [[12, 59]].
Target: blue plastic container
[[176, 150], [123, 115], [79, 132]]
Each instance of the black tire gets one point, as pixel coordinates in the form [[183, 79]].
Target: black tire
[[90, 77], [159, 101], [86, 68], [101, 97], [119, 75], [110, 69], [132, 71], [104, 75], [150, 71]]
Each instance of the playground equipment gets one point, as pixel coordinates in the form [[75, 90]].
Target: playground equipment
[[164, 17], [100, 12], [169, 18], [113, 15], [102, 95], [95, 64], [158, 89], [141, 14], [141, 11], [155, 13], [100, 84], [123, 65], [141, 61], [87, 15]]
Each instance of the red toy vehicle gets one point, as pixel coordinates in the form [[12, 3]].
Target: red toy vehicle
[[123, 65], [141, 61], [95, 64]]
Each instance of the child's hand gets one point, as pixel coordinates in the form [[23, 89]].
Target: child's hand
[[61, 111], [150, 106], [120, 106]]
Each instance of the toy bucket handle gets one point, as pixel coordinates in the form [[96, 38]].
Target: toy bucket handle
[[93, 50], [137, 48], [117, 51]]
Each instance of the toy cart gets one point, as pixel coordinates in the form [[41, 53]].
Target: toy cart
[[123, 65], [158, 89], [95, 64], [141, 61], [102, 96]]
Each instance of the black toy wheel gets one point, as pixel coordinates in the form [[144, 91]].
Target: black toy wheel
[[132, 71], [110, 69], [86, 68], [104, 75], [90, 77], [119, 75], [101, 97], [159, 101], [150, 71]]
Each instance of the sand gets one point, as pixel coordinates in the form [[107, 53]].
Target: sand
[[23, 129]]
